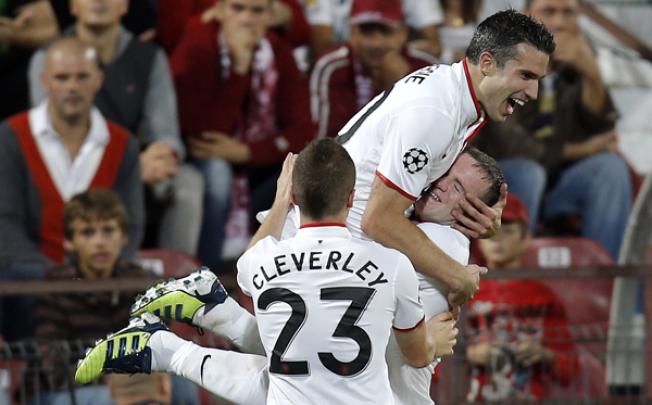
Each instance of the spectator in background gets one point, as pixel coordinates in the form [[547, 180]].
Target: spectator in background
[[244, 106], [460, 20], [140, 18], [374, 57], [329, 21], [51, 152], [138, 93], [287, 20], [95, 227], [24, 26], [519, 341], [559, 153], [95, 224]]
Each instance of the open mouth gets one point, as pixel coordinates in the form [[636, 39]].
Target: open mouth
[[512, 101]]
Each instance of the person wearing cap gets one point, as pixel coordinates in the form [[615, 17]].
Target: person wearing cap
[[243, 105], [374, 57], [518, 333], [329, 23]]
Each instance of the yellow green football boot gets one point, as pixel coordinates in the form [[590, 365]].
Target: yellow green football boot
[[180, 299], [125, 351]]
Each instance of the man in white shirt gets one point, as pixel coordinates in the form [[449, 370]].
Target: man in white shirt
[[48, 154], [342, 297]]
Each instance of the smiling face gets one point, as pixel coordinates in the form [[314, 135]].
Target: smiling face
[[463, 179], [97, 244], [502, 89]]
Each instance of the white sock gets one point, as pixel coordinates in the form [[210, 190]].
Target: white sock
[[164, 345], [233, 322]]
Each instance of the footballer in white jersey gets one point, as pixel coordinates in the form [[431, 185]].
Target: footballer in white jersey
[[410, 385], [411, 134], [324, 303]]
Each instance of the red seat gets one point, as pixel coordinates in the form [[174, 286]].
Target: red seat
[[565, 252], [587, 301]]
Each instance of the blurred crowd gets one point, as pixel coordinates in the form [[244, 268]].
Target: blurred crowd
[[164, 124]]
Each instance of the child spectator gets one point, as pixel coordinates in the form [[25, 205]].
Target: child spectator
[[519, 341], [95, 226]]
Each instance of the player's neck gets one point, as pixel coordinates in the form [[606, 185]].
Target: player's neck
[[476, 78], [328, 219]]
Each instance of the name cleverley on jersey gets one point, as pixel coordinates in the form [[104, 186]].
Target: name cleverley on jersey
[[319, 260]]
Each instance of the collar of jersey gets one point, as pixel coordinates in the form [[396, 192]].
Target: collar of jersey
[[333, 229], [469, 82]]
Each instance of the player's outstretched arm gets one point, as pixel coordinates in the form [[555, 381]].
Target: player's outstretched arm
[[274, 221], [385, 222]]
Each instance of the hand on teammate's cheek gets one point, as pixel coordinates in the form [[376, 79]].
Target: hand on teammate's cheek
[[476, 219]]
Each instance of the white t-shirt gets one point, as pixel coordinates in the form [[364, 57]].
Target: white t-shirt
[[411, 386], [325, 303], [418, 14], [410, 135]]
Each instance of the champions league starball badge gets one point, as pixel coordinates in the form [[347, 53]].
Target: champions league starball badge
[[415, 160]]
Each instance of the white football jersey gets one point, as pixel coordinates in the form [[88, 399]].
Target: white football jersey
[[411, 386], [410, 135], [325, 304]]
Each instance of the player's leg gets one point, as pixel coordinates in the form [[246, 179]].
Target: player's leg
[[147, 345], [200, 299]]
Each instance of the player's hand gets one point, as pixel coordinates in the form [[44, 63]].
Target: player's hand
[[530, 352], [284, 182], [467, 285], [476, 219], [441, 328]]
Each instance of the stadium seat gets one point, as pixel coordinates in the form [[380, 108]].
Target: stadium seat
[[565, 252], [587, 301]]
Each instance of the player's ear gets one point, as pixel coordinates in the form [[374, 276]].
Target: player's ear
[[487, 63], [349, 202], [293, 198]]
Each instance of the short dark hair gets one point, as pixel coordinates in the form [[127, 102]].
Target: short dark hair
[[323, 178], [492, 172], [94, 204], [500, 33]]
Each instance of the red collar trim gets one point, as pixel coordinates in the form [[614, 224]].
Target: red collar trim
[[319, 224], [469, 82]]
